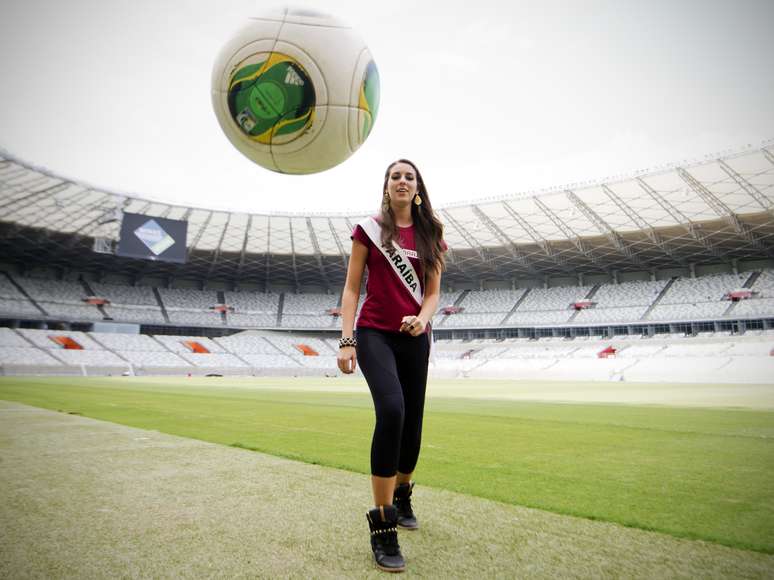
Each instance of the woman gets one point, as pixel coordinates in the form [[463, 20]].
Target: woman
[[403, 250]]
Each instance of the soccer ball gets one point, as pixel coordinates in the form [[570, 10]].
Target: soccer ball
[[296, 91]]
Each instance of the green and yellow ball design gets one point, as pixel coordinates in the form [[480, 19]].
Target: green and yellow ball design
[[272, 100], [369, 99]]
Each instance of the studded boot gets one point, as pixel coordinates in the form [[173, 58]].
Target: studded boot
[[384, 538], [402, 501]]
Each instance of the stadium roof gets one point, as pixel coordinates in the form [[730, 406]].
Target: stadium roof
[[716, 210]]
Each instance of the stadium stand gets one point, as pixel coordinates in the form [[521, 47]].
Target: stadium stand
[[292, 346], [59, 299], [15, 350], [137, 314], [742, 359], [97, 358], [194, 317], [12, 301], [61, 350], [139, 350], [559, 298], [258, 351], [125, 295], [697, 298], [309, 310], [252, 309], [27, 357], [547, 305], [46, 338], [700, 298], [71, 311], [188, 299], [154, 359], [623, 302], [449, 298], [214, 360], [680, 239], [484, 308], [183, 344], [18, 307], [123, 342], [663, 358], [10, 338], [44, 290]]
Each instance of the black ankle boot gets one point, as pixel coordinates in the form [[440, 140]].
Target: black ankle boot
[[402, 501], [384, 539]]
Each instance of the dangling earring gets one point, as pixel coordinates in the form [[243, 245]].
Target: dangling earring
[[417, 200]]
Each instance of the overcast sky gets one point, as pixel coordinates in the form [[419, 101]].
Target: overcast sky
[[489, 97]]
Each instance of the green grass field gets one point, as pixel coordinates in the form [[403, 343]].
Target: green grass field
[[695, 472]]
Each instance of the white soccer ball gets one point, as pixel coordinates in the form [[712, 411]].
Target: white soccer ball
[[296, 91]]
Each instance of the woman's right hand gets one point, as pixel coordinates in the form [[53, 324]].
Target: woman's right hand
[[347, 360]]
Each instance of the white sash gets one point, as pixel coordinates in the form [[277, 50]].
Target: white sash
[[397, 258], [401, 265]]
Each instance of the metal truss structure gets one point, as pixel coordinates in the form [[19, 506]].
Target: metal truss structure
[[717, 210]]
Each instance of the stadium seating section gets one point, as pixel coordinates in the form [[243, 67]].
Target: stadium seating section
[[690, 299], [747, 358], [283, 347]]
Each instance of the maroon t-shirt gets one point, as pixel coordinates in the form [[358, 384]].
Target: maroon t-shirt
[[387, 300]]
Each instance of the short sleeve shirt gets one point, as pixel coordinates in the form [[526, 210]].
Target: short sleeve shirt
[[387, 301]]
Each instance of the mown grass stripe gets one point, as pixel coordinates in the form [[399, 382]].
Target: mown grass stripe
[[693, 473]]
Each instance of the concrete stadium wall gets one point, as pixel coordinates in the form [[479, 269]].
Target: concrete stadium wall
[[749, 370], [727, 370], [61, 370], [233, 372]]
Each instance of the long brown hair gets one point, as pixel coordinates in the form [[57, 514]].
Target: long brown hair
[[428, 230]]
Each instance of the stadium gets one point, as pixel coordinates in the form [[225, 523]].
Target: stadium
[[619, 280], [660, 285], [600, 399]]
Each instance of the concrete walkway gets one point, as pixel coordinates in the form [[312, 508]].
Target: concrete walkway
[[82, 498]]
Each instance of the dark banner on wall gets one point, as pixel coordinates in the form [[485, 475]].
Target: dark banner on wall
[[152, 238]]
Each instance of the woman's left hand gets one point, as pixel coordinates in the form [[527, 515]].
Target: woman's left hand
[[414, 325]]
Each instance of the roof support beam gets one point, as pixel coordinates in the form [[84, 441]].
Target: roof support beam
[[680, 218], [748, 187], [268, 253], [567, 231], [603, 227], [532, 232], [506, 241], [471, 241], [720, 208], [293, 254], [216, 253], [25, 185], [649, 230], [12, 173], [469, 238], [243, 251], [339, 245], [103, 218], [201, 230], [318, 253], [33, 195]]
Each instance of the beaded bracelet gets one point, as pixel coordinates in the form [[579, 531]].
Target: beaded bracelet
[[347, 341]]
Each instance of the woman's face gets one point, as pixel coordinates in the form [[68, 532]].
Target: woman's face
[[401, 184]]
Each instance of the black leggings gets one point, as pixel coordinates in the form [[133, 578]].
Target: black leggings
[[395, 367]]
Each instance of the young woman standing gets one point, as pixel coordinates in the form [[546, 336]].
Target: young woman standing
[[403, 250]]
